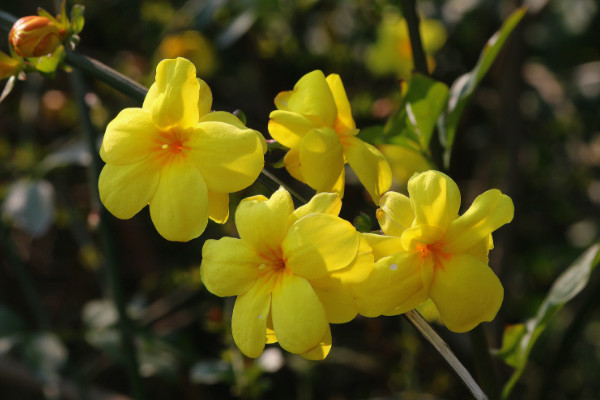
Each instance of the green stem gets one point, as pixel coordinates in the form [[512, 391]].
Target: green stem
[[409, 11], [114, 79], [109, 250], [484, 365], [23, 277], [442, 347]]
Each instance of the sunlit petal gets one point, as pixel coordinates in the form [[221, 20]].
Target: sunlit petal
[[344, 122], [383, 245], [435, 199], [396, 281], [325, 203], [229, 158], [179, 208], [218, 206], [369, 165], [291, 161], [312, 97], [175, 99], [321, 159], [288, 128], [229, 267], [263, 222], [204, 98], [299, 318], [318, 244], [129, 137], [320, 352], [126, 189], [466, 292], [395, 213], [488, 212], [249, 319]]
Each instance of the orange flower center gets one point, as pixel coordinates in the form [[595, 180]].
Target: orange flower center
[[435, 250], [171, 146], [274, 267]]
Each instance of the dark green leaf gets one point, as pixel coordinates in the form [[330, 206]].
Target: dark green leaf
[[519, 339], [363, 223], [462, 89]]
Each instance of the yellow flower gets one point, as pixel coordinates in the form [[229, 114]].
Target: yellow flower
[[392, 52], [193, 46], [315, 121], [290, 271], [177, 156], [429, 251]]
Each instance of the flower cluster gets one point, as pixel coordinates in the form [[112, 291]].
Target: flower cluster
[[295, 271]]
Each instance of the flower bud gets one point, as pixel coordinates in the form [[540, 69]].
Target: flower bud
[[8, 66], [35, 36]]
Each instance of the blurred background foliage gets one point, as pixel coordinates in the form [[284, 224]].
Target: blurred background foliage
[[532, 129]]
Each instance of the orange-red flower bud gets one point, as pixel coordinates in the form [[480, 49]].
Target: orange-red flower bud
[[8, 66], [35, 36]]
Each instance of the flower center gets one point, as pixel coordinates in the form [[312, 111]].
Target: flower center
[[274, 266], [171, 145], [435, 250]]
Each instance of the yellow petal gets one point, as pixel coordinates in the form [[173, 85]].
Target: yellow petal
[[299, 319], [318, 244], [222, 116], [281, 100], [338, 186], [336, 298], [229, 267], [404, 162], [288, 128], [395, 213], [312, 97], [369, 165], [396, 281], [263, 223], [435, 199], [291, 161], [270, 336], [382, 245], [320, 352], [324, 203], [421, 234], [129, 137], [321, 159], [175, 99], [126, 189], [344, 122], [466, 292], [360, 268], [179, 208], [249, 319], [488, 212], [205, 98], [230, 159], [218, 206]]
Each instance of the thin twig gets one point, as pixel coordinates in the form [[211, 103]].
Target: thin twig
[[409, 11], [442, 347]]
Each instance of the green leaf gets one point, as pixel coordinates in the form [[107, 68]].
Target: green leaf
[[30, 205], [363, 223], [49, 64], [372, 134], [463, 88], [77, 20], [424, 101], [518, 340]]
